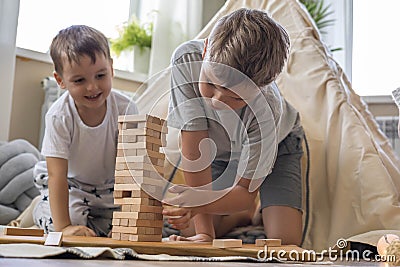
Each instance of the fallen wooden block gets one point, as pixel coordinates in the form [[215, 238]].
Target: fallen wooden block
[[268, 242], [53, 239], [23, 231], [227, 243]]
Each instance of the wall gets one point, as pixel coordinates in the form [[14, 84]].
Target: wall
[[383, 109], [210, 8], [8, 25], [28, 97]]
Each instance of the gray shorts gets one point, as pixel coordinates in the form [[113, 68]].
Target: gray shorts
[[283, 186]]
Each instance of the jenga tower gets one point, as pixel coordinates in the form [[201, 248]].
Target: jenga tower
[[138, 171]]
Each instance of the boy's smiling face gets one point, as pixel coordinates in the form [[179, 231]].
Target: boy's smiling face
[[88, 83]]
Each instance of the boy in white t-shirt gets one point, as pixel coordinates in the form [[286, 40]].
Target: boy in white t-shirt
[[77, 179]]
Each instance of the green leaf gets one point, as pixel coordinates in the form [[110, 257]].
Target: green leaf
[[319, 13], [132, 34]]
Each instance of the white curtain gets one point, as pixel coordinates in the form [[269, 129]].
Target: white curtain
[[8, 31], [341, 33], [176, 21]]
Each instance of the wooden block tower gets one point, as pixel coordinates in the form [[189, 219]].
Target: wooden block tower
[[139, 185]]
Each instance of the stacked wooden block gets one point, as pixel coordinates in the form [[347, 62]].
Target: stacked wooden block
[[139, 182]]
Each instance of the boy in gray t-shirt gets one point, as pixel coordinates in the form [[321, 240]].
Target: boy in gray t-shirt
[[238, 135]]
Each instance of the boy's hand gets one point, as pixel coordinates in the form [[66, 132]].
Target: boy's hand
[[196, 238], [187, 196], [79, 230], [179, 218]]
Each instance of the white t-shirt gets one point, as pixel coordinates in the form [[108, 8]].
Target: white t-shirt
[[249, 136], [90, 151]]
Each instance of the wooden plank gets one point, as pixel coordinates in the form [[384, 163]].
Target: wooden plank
[[227, 243], [268, 242], [23, 231], [178, 248]]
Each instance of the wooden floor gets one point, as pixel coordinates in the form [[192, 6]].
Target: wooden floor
[[171, 248], [115, 263]]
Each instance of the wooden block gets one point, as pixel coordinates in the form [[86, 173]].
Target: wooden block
[[139, 166], [268, 242], [146, 208], [153, 231], [133, 118], [140, 194], [134, 194], [136, 132], [133, 173], [146, 223], [23, 231], [145, 238], [125, 208], [155, 154], [116, 236], [128, 230], [115, 221], [125, 236], [123, 222], [227, 243], [142, 182], [129, 146], [127, 138], [160, 162], [157, 127], [53, 239], [126, 187], [137, 230], [131, 201], [155, 147], [129, 154], [156, 120], [137, 215], [147, 191], [138, 159]]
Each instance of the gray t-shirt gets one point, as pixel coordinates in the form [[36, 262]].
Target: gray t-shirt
[[249, 135]]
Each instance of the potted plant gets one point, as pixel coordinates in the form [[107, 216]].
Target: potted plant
[[135, 37], [320, 13]]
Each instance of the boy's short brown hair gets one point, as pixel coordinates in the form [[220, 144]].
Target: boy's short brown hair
[[251, 42], [76, 41]]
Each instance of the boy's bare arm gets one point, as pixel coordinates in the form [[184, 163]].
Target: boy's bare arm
[[237, 199], [192, 161], [59, 198], [58, 192]]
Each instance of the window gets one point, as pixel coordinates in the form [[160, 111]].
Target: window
[[376, 47], [40, 20]]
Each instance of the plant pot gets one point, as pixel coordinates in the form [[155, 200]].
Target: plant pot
[[124, 61], [141, 59]]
